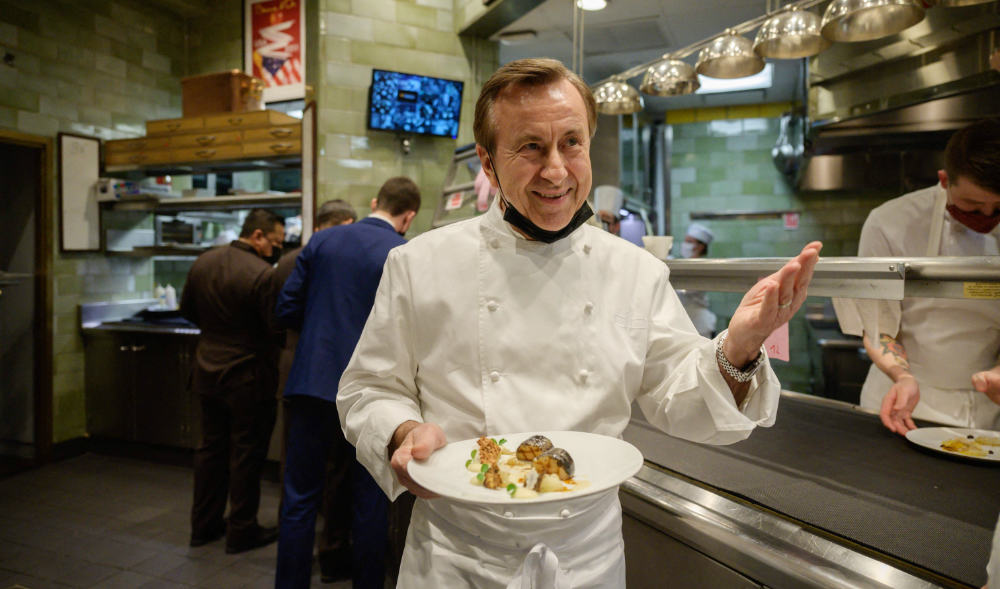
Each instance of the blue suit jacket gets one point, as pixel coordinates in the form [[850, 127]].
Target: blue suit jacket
[[327, 299]]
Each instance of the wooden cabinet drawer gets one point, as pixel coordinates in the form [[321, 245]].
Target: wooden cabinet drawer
[[137, 158], [273, 147], [215, 152], [207, 139], [173, 126], [131, 145], [280, 133], [244, 120]]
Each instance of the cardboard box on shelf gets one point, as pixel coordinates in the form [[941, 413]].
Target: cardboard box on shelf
[[221, 92]]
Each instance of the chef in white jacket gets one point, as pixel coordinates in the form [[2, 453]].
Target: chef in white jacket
[[934, 358], [527, 318], [695, 245]]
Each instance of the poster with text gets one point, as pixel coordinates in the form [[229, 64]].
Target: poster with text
[[274, 47]]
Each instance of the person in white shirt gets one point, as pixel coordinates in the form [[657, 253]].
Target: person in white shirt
[[934, 358], [529, 319], [695, 245]]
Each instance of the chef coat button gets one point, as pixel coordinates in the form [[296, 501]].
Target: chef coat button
[[588, 308], [586, 248], [508, 514], [492, 305], [583, 375], [494, 243], [564, 512], [494, 376]]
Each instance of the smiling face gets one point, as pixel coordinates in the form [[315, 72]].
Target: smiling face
[[542, 157]]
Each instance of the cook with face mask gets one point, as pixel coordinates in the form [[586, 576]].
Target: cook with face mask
[[229, 295], [529, 319], [934, 359], [695, 302]]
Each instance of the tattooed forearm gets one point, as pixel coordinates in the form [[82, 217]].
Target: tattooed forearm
[[893, 350]]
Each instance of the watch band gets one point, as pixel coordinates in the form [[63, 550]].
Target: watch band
[[735, 373]]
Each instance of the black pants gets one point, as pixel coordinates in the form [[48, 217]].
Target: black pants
[[236, 422]]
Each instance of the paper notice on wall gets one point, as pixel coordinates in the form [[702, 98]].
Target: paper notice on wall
[[454, 201], [776, 344]]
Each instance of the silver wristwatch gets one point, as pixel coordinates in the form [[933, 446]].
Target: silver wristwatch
[[735, 373]]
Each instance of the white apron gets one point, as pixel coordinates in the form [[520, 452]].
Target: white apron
[[561, 545], [946, 340]]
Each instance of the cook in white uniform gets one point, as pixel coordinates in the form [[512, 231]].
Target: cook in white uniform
[[529, 319], [695, 245], [934, 358]]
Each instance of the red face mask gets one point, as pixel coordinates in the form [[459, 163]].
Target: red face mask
[[976, 221]]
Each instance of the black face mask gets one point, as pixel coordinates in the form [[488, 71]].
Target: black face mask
[[275, 255], [527, 227], [532, 231]]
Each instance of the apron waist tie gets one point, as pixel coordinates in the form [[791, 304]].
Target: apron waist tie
[[540, 570]]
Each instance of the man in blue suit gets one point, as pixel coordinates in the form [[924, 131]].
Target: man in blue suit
[[327, 299]]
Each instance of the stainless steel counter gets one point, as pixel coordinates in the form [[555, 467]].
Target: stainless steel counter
[[825, 498]]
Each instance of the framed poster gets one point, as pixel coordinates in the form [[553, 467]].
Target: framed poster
[[274, 46], [79, 212]]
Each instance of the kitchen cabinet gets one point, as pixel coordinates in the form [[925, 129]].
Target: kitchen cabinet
[[136, 387]]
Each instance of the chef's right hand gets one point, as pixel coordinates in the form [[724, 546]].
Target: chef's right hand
[[898, 405], [414, 440]]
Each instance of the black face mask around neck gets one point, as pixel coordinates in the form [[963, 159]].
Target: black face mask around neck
[[529, 228], [532, 231], [274, 257]]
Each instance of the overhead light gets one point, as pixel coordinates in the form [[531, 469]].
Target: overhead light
[[516, 37], [617, 97], [592, 4], [759, 81], [729, 55], [790, 35], [865, 20], [670, 77]]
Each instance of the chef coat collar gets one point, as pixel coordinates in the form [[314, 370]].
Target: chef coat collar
[[494, 222]]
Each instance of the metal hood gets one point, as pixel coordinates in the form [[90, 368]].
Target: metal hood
[[881, 111]]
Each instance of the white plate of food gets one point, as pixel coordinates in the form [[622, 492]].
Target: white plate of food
[[566, 465], [975, 444]]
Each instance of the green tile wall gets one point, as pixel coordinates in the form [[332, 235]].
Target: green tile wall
[[414, 37], [101, 69], [725, 165]]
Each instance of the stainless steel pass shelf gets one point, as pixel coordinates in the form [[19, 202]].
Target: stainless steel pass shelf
[[861, 278], [243, 201]]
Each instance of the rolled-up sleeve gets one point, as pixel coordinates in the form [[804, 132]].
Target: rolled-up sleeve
[[377, 390], [683, 391]]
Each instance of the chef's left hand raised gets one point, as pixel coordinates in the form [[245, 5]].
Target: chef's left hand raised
[[988, 382], [769, 304]]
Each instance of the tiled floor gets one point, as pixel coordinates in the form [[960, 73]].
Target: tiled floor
[[102, 521]]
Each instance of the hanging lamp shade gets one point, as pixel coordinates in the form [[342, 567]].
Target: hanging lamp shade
[[670, 77], [729, 56], [617, 98], [790, 35], [865, 20]]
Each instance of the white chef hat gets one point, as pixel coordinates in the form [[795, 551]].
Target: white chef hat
[[701, 233]]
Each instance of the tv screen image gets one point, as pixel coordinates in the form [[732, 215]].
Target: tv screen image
[[414, 104]]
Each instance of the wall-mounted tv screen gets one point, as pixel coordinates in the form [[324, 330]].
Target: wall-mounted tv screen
[[414, 104]]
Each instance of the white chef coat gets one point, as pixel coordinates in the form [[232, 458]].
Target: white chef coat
[[946, 340], [483, 332]]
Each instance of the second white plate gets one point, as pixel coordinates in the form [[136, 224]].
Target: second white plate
[[931, 438]]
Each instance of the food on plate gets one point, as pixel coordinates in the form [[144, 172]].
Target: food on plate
[[965, 447], [554, 461], [988, 440], [532, 447], [536, 467]]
